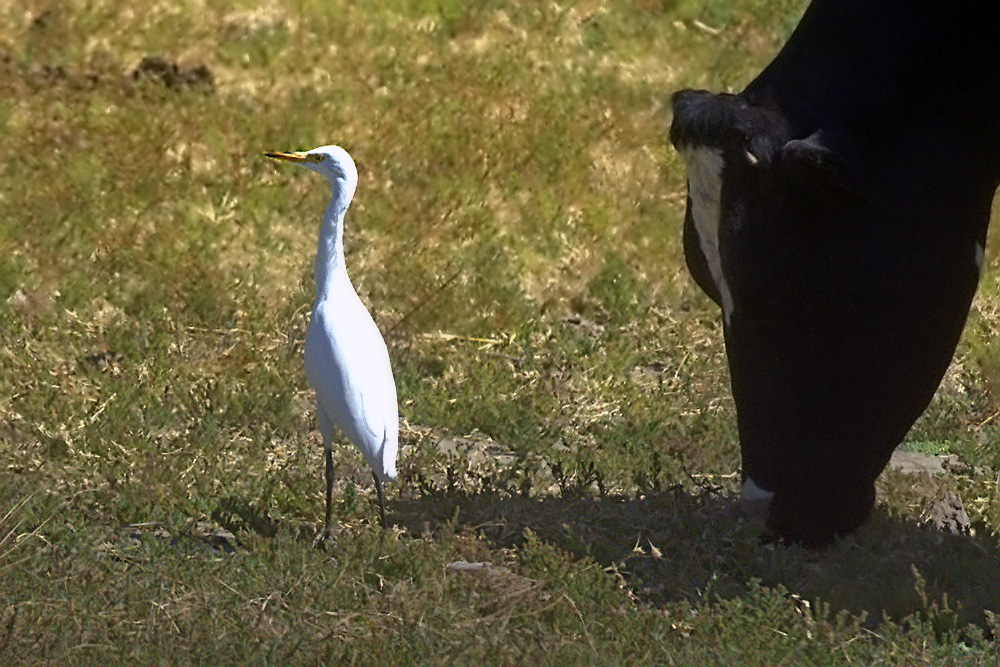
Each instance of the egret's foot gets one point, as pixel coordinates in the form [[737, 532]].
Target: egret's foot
[[325, 540]]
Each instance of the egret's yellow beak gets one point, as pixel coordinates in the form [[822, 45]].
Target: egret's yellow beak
[[296, 156]]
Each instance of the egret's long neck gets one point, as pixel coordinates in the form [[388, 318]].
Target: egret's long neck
[[330, 254]]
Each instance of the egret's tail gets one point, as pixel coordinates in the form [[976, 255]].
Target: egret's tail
[[386, 471]]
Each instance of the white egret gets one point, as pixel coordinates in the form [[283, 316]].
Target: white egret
[[346, 359]]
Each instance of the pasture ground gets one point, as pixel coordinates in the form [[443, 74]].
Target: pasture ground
[[569, 456]]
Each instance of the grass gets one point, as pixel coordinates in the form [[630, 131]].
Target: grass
[[564, 394]]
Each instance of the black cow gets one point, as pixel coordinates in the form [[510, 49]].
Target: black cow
[[837, 211]]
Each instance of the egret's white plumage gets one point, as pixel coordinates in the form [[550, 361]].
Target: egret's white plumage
[[346, 359]]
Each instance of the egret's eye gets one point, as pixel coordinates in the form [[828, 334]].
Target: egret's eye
[[318, 157]]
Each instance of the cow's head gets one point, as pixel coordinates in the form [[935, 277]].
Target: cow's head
[[844, 275]]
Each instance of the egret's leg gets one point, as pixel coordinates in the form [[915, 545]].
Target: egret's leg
[[381, 500], [326, 429], [328, 452]]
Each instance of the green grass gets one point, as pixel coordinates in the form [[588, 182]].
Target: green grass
[[562, 382]]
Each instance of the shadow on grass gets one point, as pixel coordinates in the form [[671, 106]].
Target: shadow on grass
[[675, 545]]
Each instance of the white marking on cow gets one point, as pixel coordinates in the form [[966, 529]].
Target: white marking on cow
[[755, 501], [980, 256], [704, 172]]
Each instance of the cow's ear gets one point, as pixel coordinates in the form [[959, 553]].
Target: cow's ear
[[817, 168]]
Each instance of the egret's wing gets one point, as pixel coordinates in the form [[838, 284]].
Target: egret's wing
[[348, 365]]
